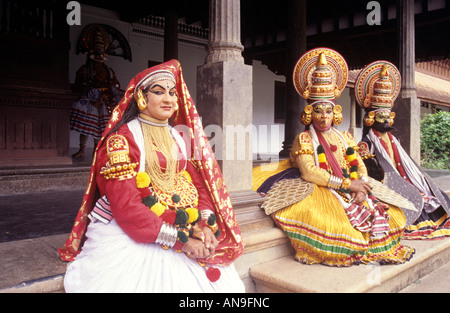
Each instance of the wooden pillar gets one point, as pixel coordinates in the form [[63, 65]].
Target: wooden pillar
[[352, 128], [171, 36], [407, 106], [296, 46]]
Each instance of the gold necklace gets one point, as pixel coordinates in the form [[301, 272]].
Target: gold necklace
[[161, 138]]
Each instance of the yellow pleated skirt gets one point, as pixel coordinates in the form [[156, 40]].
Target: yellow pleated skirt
[[320, 231]]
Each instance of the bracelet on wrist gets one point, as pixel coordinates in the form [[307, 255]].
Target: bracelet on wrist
[[346, 182], [334, 182]]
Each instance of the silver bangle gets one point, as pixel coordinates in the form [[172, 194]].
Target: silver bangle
[[206, 214], [167, 235], [334, 182]]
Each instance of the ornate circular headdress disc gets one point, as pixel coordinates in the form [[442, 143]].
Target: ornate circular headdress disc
[[95, 34], [308, 72], [378, 85]]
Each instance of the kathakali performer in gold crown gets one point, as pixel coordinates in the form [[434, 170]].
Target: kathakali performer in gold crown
[[321, 197], [376, 89]]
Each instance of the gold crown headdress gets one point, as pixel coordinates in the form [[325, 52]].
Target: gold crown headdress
[[377, 86], [319, 76]]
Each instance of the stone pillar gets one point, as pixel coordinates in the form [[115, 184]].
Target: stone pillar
[[296, 46], [224, 31], [224, 95], [407, 106], [170, 36]]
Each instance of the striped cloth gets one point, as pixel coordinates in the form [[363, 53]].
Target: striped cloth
[[101, 211], [90, 115]]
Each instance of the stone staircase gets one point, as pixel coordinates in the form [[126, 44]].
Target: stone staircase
[[287, 275], [44, 273], [267, 264]]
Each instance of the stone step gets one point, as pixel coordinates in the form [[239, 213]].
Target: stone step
[[32, 265], [287, 275], [249, 215], [23, 180], [261, 246]]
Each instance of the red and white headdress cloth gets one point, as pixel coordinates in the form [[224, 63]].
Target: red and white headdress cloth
[[230, 241]]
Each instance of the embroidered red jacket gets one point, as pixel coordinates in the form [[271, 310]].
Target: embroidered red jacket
[[133, 216]]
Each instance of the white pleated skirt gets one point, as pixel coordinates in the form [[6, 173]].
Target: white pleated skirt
[[111, 262]]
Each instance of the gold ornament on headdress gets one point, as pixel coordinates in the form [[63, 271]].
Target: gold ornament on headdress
[[369, 119], [337, 114], [306, 117], [391, 118]]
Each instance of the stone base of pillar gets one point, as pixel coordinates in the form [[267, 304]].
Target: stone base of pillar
[[224, 102], [407, 124]]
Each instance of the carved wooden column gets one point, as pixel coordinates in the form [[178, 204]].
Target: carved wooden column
[[224, 95], [352, 128], [407, 105], [171, 36], [296, 46]]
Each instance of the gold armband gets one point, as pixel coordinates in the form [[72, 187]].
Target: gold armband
[[119, 165], [303, 151]]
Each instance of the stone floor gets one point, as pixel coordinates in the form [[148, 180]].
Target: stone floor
[[31, 215]]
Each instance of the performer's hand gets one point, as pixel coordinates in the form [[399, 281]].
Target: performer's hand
[[358, 197], [359, 185], [211, 242], [195, 248]]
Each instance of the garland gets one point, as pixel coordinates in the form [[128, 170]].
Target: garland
[[186, 220], [352, 162], [322, 158]]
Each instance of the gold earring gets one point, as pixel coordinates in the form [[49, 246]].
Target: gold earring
[[337, 114], [369, 119], [141, 103], [305, 117], [391, 118]]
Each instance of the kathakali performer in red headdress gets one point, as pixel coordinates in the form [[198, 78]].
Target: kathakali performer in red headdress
[[156, 216]]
